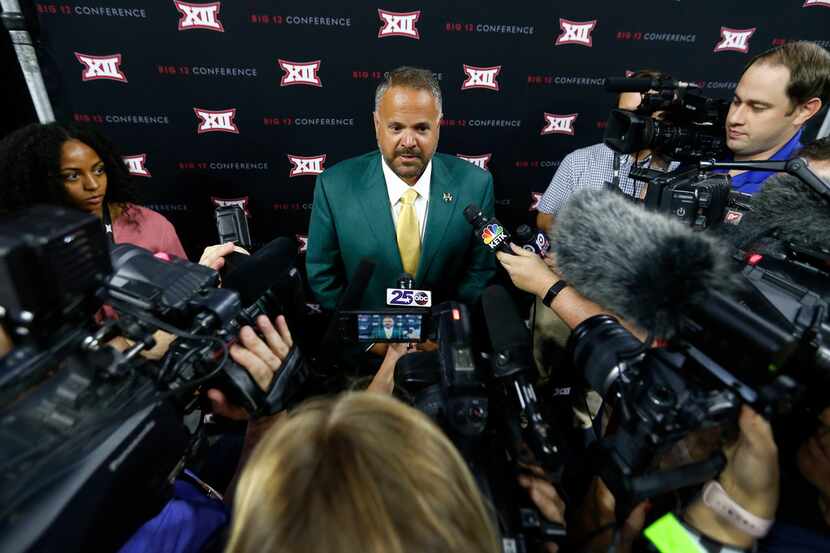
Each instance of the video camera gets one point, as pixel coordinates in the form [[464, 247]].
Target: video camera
[[727, 354], [83, 425], [487, 404], [675, 121]]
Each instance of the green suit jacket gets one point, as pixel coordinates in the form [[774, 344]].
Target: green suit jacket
[[351, 219]]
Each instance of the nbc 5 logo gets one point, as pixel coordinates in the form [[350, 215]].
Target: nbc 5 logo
[[101, 67], [199, 16], [576, 32], [559, 124], [135, 165], [535, 198], [300, 73], [302, 239], [216, 121], [493, 235], [734, 40], [479, 161], [241, 203], [481, 77], [399, 24], [301, 165]]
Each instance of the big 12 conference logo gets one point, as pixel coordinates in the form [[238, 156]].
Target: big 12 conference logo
[[300, 73], [576, 32], [306, 165], [216, 121], [199, 16], [241, 203], [559, 124], [136, 165], [101, 67], [481, 77], [734, 40], [302, 239], [399, 24], [481, 161]]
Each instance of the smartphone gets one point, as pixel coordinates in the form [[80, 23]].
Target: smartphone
[[384, 326], [232, 226]]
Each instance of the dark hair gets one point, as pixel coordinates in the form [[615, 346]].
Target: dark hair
[[30, 166], [817, 150], [809, 66], [410, 77]]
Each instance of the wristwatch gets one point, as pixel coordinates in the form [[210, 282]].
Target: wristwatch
[[553, 291], [716, 498]]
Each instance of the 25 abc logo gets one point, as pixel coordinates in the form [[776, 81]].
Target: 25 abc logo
[[401, 297]]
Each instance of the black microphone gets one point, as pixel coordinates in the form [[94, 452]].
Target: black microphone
[[513, 366], [642, 265], [253, 275], [532, 240], [490, 231], [406, 281], [643, 84], [785, 210]]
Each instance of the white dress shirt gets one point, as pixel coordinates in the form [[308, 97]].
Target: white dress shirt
[[396, 187]]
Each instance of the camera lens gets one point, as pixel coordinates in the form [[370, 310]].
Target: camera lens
[[597, 346]]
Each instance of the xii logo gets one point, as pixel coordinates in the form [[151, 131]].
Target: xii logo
[[559, 124], [300, 73], [216, 121], [135, 165], [399, 24], [301, 165], [576, 32], [479, 161], [101, 67], [241, 203], [481, 77], [734, 40], [199, 16]]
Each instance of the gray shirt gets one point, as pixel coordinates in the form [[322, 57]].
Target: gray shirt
[[591, 167]]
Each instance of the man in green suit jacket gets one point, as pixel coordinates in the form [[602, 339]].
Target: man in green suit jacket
[[360, 206]]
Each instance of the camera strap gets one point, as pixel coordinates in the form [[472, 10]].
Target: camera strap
[[615, 182], [107, 220]]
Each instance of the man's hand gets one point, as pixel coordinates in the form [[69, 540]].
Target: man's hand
[[261, 357], [814, 461], [544, 496], [214, 256], [527, 271], [751, 478]]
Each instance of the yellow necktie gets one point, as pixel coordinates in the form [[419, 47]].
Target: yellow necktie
[[409, 233]]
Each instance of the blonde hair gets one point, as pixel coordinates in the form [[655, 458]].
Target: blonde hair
[[361, 472]]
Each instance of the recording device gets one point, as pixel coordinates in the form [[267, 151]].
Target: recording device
[[489, 408], [382, 326], [532, 240], [490, 231], [232, 226], [675, 121], [83, 425], [678, 284]]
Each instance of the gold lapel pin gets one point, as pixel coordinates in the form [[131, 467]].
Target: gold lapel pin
[[447, 197]]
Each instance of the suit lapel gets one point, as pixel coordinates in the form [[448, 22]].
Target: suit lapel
[[439, 214], [374, 200]]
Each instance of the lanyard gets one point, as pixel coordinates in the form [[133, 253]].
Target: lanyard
[[105, 214]]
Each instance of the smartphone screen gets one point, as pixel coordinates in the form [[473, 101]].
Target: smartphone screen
[[389, 327]]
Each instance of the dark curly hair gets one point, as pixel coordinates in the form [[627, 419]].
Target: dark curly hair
[[30, 166]]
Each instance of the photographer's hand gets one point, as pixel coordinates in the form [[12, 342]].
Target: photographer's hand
[[545, 497], [751, 478], [384, 379], [214, 256], [262, 359], [527, 271]]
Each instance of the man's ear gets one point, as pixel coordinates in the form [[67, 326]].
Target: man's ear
[[376, 119], [807, 110]]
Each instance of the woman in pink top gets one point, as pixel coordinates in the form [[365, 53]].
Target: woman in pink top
[[74, 165]]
